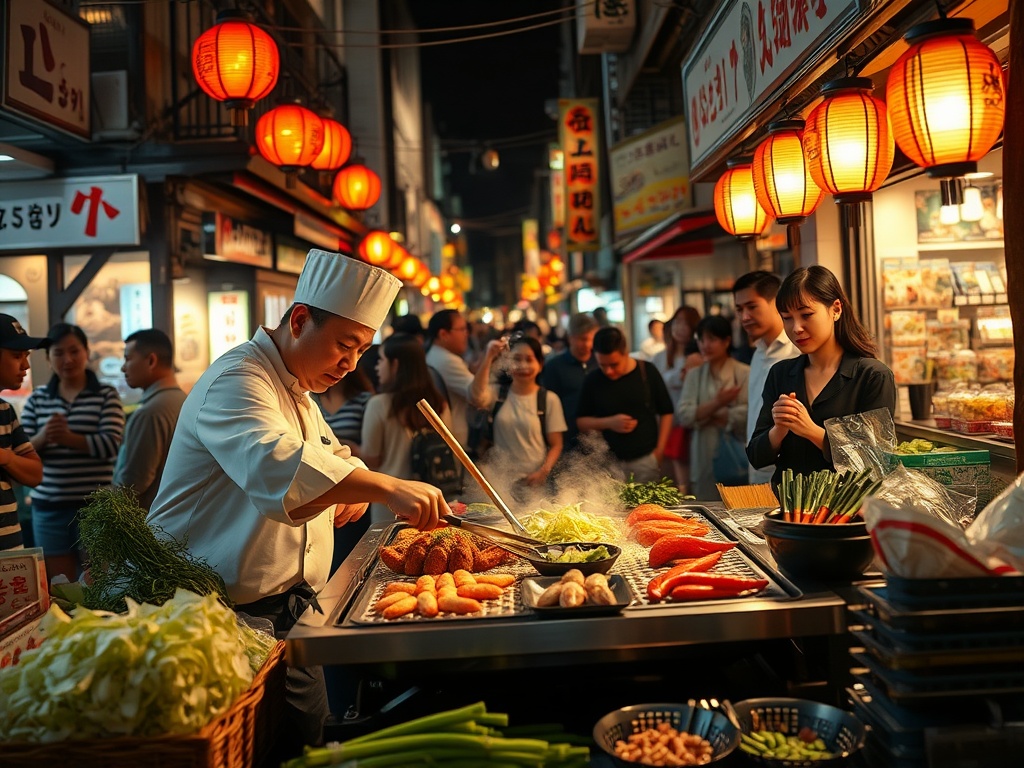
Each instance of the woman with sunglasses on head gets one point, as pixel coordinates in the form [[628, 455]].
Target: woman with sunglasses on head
[[515, 417], [836, 374]]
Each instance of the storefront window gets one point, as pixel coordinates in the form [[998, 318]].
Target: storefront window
[[115, 304]]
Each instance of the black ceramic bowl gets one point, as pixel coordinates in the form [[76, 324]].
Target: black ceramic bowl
[[549, 568], [706, 723], [822, 552]]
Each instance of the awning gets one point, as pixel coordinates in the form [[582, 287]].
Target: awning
[[690, 233]]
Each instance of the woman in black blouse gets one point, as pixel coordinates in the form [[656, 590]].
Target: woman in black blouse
[[837, 375]]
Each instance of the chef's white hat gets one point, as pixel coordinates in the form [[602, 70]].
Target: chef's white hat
[[347, 287]]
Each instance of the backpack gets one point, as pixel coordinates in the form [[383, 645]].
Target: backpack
[[542, 399], [433, 462]]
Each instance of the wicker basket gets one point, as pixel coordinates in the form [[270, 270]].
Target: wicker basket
[[239, 738]]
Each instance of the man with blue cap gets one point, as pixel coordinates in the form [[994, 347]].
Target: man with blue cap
[[255, 480]]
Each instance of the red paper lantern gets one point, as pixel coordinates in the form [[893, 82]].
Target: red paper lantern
[[236, 62], [290, 136], [377, 248], [782, 180], [848, 142], [946, 98], [736, 205], [356, 188], [408, 269], [421, 276], [337, 146]]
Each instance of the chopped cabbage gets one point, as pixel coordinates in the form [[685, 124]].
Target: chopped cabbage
[[571, 523], [153, 670], [576, 555]]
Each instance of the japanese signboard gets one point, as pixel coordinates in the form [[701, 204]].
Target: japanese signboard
[[23, 588], [46, 68], [579, 136], [746, 52], [61, 213], [650, 176], [605, 26], [229, 320], [241, 243]]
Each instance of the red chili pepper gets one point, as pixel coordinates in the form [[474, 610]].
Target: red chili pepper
[[700, 592], [673, 547], [722, 581], [697, 564]]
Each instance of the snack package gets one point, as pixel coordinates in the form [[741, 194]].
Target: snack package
[[907, 328], [862, 441], [913, 543], [998, 530], [909, 488]]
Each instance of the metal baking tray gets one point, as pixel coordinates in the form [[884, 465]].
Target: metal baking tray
[[936, 659], [898, 741], [995, 618], [922, 594], [902, 641], [901, 685]]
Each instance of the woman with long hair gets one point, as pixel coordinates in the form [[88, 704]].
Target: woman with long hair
[[75, 424], [836, 374], [713, 402], [679, 357], [392, 418], [516, 421]]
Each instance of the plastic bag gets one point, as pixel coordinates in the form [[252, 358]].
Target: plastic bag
[[862, 441], [907, 488], [999, 530]]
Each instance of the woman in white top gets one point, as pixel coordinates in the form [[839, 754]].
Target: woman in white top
[[679, 356], [392, 418], [516, 425], [713, 402]]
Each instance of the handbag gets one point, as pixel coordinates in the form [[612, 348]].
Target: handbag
[[729, 463]]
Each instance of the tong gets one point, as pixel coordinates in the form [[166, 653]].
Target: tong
[[523, 546]]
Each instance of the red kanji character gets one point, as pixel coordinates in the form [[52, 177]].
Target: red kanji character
[[582, 150], [780, 23], [799, 17], [580, 172], [767, 57], [94, 198], [583, 199], [734, 61], [718, 87], [820, 10], [579, 120], [695, 121], [583, 226], [19, 585]]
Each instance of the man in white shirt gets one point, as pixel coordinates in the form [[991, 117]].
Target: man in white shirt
[[448, 340], [754, 294], [654, 343], [255, 480]]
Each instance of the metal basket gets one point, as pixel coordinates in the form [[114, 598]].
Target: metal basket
[[708, 724], [841, 731]]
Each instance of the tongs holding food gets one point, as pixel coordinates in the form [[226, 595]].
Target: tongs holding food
[[460, 453], [523, 546]]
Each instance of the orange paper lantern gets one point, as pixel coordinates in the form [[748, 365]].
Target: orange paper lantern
[[337, 146], [736, 205], [236, 62], [356, 188], [782, 180], [945, 97], [290, 136], [848, 142], [377, 247], [408, 269], [422, 276]]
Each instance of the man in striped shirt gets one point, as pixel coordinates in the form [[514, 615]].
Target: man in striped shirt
[[18, 459]]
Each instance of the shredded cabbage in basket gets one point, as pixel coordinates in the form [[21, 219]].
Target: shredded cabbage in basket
[[154, 670], [571, 523]]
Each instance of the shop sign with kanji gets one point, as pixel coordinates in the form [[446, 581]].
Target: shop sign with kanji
[[70, 213], [746, 53], [579, 136], [650, 176], [46, 72]]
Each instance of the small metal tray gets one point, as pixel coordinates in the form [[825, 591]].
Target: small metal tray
[[532, 587], [898, 741], [935, 659], [901, 641], [902, 686], [996, 618], [919, 594]]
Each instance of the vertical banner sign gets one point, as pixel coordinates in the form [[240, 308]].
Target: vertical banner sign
[[556, 164], [46, 66], [578, 125]]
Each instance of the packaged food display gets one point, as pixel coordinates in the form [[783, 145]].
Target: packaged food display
[[940, 402], [981, 405], [1003, 428], [995, 364], [965, 279], [948, 337], [901, 281], [998, 327], [970, 427], [936, 283], [958, 366], [909, 364], [907, 328]]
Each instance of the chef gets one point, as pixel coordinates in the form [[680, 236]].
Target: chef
[[255, 480]]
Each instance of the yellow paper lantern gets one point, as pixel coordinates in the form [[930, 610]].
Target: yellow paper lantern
[[736, 205], [782, 180], [377, 248]]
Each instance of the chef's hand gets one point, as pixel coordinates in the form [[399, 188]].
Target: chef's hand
[[791, 415], [622, 423], [419, 504], [348, 513]]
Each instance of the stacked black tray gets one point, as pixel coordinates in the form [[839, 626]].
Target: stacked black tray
[[940, 669]]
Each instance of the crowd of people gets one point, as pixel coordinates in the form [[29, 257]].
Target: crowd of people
[[268, 466]]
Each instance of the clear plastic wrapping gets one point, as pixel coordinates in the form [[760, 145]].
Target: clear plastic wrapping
[[998, 530]]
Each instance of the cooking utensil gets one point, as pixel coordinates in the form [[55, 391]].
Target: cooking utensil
[[460, 453], [688, 718], [523, 546], [841, 731]]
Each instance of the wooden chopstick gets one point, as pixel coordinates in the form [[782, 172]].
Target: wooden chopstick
[[460, 453]]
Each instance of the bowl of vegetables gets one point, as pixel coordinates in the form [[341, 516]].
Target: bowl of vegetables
[[585, 556], [819, 552], [796, 733]]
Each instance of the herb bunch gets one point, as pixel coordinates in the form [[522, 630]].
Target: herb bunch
[[663, 492]]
